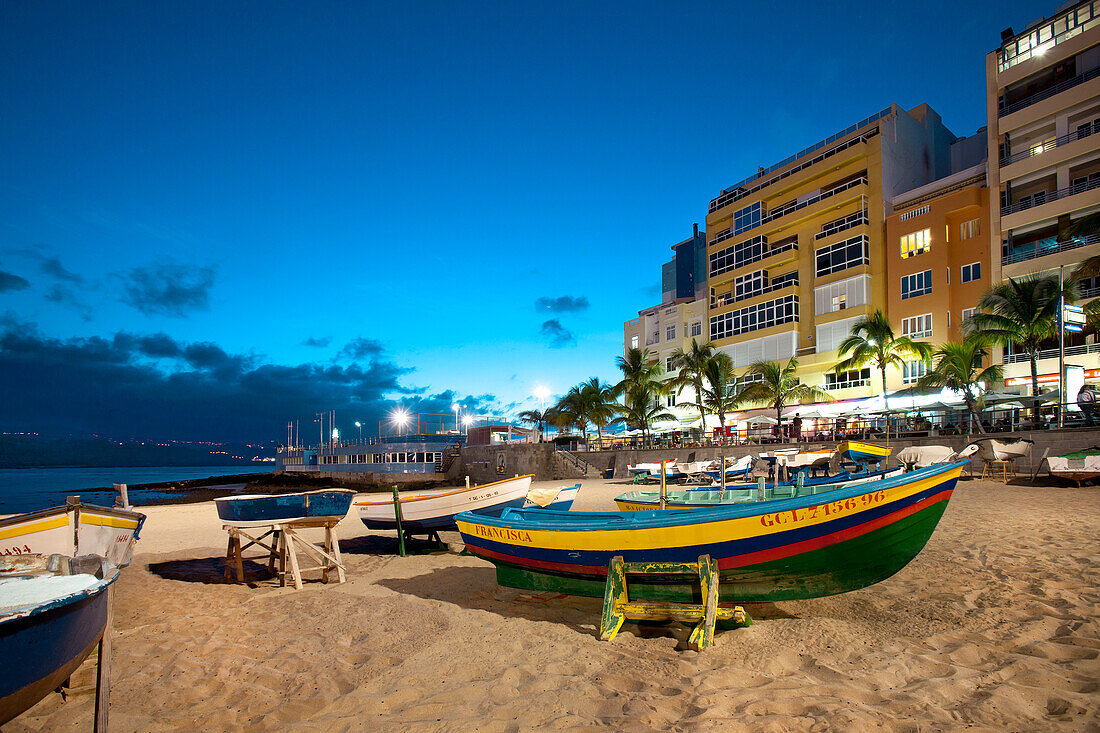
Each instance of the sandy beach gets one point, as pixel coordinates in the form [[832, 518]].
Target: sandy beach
[[993, 627]]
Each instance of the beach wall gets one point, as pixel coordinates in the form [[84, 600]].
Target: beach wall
[[481, 462]]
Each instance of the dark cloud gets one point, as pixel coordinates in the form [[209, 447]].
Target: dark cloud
[[651, 291], [563, 304], [320, 343], [361, 348], [52, 266], [64, 295], [152, 386], [168, 289], [559, 335], [10, 281]]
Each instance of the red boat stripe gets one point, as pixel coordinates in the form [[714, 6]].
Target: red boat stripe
[[738, 561]]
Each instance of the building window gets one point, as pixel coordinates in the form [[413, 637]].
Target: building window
[[972, 272], [844, 380], [754, 318], [747, 218], [633, 342], [914, 212], [964, 322], [669, 366], [970, 229], [746, 286], [916, 243], [696, 328], [911, 371], [919, 283], [917, 327], [671, 401], [842, 255], [670, 332]]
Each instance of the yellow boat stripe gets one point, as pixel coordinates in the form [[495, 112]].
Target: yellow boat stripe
[[30, 528], [105, 521], [648, 538]]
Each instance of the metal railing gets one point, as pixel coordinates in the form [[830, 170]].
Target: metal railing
[[729, 297], [1048, 92], [1049, 33], [1048, 246], [1053, 353], [796, 205], [1049, 144], [848, 384], [574, 461], [1061, 193], [768, 252], [842, 224]]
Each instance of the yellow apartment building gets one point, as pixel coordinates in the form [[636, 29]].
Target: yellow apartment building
[[1043, 111], [938, 261], [797, 253]]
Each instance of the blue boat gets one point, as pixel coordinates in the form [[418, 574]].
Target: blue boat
[[562, 501], [45, 641], [258, 509]]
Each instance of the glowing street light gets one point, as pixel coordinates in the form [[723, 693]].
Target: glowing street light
[[455, 408], [360, 426], [335, 435], [466, 420], [401, 419]]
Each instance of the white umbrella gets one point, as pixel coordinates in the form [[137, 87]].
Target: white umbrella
[[761, 420]]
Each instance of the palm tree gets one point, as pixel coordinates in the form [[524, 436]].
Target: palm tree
[[569, 412], [779, 386], [959, 367], [1021, 312], [642, 407], [692, 364], [719, 388], [872, 343], [598, 404], [640, 369], [641, 387], [534, 417]]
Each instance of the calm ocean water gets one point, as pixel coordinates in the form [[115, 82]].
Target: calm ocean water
[[30, 489]]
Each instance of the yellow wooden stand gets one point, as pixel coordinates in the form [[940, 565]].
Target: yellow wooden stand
[[1006, 469], [617, 606], [284, 546]]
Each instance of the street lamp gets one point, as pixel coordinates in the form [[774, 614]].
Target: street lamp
[[401, 418], [466, 420], [455, 408], [360, 426]]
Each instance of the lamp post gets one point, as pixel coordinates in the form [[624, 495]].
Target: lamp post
[[455, 408], [466, 420], [360, 426]]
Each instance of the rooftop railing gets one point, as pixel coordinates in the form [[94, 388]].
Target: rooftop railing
[[1048, 246], [1048, 92], [1034, 200], [1049, 33], [1049, 144], [795, 206]]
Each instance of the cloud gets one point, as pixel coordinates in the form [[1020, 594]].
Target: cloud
[[10, 281], [559, 336], [319, 343], [63, 295], [563, 304], [168, 289], [52, 266], [651, 291], [361, 348]]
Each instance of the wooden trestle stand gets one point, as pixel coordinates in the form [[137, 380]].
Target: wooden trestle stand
[[283, 546]]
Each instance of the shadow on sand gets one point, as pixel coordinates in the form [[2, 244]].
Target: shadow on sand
[[209, 570]]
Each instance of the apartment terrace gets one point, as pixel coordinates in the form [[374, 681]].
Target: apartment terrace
[[1005, 110], [1043, 36], [1046, 246], [1046, 197], [1045, 146]]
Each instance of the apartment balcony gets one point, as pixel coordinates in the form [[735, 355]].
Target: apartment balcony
[[844, 224], [1048, 246], [1072, 91], [770, 254], [729, 298], [1052, 205], [832, 193], [1053, 354], [1050, 152]]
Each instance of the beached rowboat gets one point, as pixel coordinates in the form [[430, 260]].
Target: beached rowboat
[[1078, 466], [786, 549], [991, 449], [857, 451], [254, 510], [73, 529], [560, 499], [431, 512], [53, 611]]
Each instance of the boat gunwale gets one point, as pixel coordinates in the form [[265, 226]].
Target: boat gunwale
[[296, 493], [426, 497]]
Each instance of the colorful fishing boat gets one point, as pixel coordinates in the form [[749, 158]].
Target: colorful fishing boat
[[53, 610], [73, 529], [745, 493], [805, 547], [856, 451], [253, 510], [560, 499], [431, 512], [1078, 466]]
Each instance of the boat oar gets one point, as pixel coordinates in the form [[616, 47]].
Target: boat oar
[[663, 492], [397, 516]]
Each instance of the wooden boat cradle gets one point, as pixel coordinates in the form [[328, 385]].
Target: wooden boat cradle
[[618, 608], [283, 546]]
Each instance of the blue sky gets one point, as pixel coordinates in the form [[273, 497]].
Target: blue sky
[[350, 205]]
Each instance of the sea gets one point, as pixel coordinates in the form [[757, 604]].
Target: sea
[[30, 489]]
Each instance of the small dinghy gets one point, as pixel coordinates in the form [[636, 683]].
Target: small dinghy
[[923, 456], [560, 500], [1078, 466], [431, 512], [73, 529], [254, 510]]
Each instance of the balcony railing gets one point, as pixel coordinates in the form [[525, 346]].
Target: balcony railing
[[731, 297], [1049, 144], [1086, 293], [1048, 246], [848, 384], [795, 206], [737, 192], [1032, 201], [1049, 33], [1053, 353], [840, 225], [1048, 92]]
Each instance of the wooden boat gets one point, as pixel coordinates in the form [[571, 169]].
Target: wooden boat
[[420, 512], [744, 493], [857, 451], [53, 610], [73, 529], [253, 510], [922, 456], [805, 547], [1077, 466], [991, 449], [653, 469], [557, 499]]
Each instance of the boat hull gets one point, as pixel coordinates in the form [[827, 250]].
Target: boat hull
[[860, 452], [787, 549], [321, 506], [433, 512], [71, 530], [563, 502]]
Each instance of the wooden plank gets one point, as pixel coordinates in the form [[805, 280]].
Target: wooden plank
[[103, 669], [708, 581], [614, 597], [340, 576], [671, 568], [237, 555], [292, 555]]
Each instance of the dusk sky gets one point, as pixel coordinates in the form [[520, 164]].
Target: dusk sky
[[218, 217]]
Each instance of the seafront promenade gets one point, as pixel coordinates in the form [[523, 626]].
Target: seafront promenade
[[993, 627]]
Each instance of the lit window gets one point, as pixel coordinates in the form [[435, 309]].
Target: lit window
[[972, 272], [970, 229], [633, 342], [915, 243]]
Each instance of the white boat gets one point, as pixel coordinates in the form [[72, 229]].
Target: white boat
[[1077, 466], [653, 469], [431, 512], [690, 469], [991, 449], [923, 456], [73, 529]]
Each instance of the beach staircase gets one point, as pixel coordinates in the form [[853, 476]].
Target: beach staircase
[[572, 465], [618, 608], [449, 457]]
